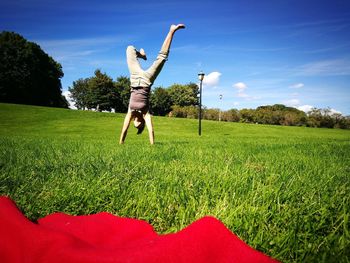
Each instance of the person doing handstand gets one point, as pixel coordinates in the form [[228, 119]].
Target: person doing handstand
[[141, 82]]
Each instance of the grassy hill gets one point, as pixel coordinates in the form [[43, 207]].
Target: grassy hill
[[283, 190]]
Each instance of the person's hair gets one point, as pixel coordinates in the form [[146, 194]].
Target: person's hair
[[141, 127], [139, 117]]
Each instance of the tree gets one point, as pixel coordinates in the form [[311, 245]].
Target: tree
[[102, 92], [211, 114], [247, 115], [122, 87], [314, 118], [27, 74], [279, 114], [80, 93], [328, 119], [184, 112], [325, 118], [340, 121], [231, 115], [183, 95], [96, 92], [160, 101]]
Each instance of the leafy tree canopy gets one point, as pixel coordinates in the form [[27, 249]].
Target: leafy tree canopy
[[160, 101], [122, 86], [183, 95], [97, 92], [27, 74]]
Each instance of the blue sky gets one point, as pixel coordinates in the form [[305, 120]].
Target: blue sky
[[253, 52]]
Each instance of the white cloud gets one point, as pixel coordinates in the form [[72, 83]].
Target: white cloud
[[240, 86], [295, 103], [305, 108], [297, 86], [308, 108], [333, 111], [212, 79]]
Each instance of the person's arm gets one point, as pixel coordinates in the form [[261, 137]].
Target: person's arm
[[126, 124], [149, 124]]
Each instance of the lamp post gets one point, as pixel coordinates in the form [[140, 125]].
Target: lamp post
[[220, 96], [200, 77]]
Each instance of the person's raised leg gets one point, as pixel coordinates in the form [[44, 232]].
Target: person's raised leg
[[148, 120], [154, 70], [126, 124], [169, 38]]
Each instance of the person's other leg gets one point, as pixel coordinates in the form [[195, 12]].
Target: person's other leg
[[131, 57], [169, 38], [126, 124], [148, 119], [154, 70]]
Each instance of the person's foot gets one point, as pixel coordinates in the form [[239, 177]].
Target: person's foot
[[142, 54], [177, 27]]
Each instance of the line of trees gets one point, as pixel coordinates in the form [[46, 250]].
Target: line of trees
[[101, 93], [277, 114]]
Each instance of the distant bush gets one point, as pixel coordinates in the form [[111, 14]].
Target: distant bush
[[325, 118], [232, 115], [184, 112], [211, 114]]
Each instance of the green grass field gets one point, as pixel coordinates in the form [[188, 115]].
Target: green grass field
[[283, 190]]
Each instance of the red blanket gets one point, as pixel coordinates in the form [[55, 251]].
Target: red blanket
[[107, 238]]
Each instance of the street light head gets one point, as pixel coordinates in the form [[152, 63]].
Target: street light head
[[201, 75]]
